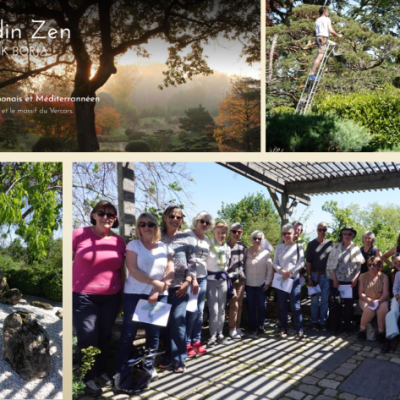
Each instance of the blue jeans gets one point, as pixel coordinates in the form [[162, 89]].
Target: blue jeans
[[324, 285], [294, 297], [194, 320], [255, 297], [93, 318], [129, 329], [174, 335]]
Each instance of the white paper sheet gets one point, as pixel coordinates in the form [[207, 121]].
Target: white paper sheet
[[302, 280], [346, 291], [314, 290], [155, 314], [376, 304], [192, 303], [279, 283]]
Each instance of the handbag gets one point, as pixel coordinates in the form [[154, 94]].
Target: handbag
[[135, 374]]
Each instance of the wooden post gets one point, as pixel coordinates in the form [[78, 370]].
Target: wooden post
[[126, 199]]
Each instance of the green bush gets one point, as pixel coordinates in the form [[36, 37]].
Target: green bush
[[50, 144], [379, 111], [138, 146], [128, 132], [27, 280], [52, 285], [314, 132], [283, 110], [7, 264], [396, 82], [137, 135], [182, 135]]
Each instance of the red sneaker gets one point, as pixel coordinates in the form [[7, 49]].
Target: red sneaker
[[190, 351], [199, 348]]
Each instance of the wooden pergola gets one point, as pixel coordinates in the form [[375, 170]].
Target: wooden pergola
[[295, 182]]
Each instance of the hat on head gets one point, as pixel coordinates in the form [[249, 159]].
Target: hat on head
[[348, 228]]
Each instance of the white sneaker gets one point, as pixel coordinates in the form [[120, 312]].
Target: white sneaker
[[234, 335], [239, 332], [117, 380], [154, 375]]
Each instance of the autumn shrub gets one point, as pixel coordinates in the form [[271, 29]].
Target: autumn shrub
[[315, 132], [138, 146], [379, 111], [49, 144]]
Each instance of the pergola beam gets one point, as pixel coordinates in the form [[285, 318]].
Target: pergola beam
[[346, 183]]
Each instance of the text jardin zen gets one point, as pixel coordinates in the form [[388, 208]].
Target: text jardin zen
[[15, 33]]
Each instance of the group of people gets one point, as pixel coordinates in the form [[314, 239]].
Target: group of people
[[166, 264]]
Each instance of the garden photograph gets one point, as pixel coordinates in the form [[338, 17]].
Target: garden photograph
[[148, 76], [332, 76], [214, 257], [31, 308]]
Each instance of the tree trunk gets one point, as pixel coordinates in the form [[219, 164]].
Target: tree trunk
[[126, 199], [85, 125]]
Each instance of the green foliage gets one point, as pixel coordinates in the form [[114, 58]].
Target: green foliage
[[8, 133], [137, 135], [396, 82], [52, 285], [314, 132], [138, 146], [87, 362], [128, 132], [283, 110], [27, 280], [182, 135], [192, 142], [379, 111], [383, 220], [8, 264], [50, 144], [196, 119], [254, 212], [30, 199]]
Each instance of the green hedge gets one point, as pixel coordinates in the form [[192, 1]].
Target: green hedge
[[314, 132], [27, 280], [378, 111], [52, 285]]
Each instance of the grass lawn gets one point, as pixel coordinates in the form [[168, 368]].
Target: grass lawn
[[23, 145]]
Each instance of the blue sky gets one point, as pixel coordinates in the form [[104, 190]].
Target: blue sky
[[214, 184]]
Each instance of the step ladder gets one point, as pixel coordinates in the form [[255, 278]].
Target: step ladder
[[310, 88]]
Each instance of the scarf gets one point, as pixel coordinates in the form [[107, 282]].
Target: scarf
[[333, 258], [220, 252]]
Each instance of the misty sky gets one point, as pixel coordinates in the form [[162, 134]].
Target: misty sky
[[223, 56]]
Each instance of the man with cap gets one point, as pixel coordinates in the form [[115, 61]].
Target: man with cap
[[317, 256], [343, 268], [236, 273]]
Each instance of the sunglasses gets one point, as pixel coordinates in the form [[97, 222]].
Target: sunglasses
[[177, 217], [102, 214], [372, 265], [149, 224], [322, 230], [287, 233], [258, 239], [202, 221], [235, 231]]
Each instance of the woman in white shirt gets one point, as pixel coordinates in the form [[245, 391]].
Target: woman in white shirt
[[151, 270], [258, 270], [202, 223], [218, 282], [288, 261]]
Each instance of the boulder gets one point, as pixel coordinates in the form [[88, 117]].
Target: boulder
[[59, 313], [3, 285], [41, 304], [12, 296], [26, 346]]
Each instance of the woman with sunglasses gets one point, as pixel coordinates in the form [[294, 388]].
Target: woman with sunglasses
[[258, 270], [98, 277], [373, 291], [184, 259], [202, 223], [219, 286], [150, 267], [288, 261], [238, 277], [343, 268]]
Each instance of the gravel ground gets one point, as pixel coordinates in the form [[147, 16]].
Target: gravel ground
[[14, 387]]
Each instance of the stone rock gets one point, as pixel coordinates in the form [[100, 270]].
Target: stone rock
[[59, 314], [40, 304], [12, 296], [3, 285], [26, 346]]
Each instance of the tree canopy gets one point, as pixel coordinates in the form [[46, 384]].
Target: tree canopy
[[31, 202]]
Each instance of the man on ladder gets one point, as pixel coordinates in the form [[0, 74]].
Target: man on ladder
[[323, 28]]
